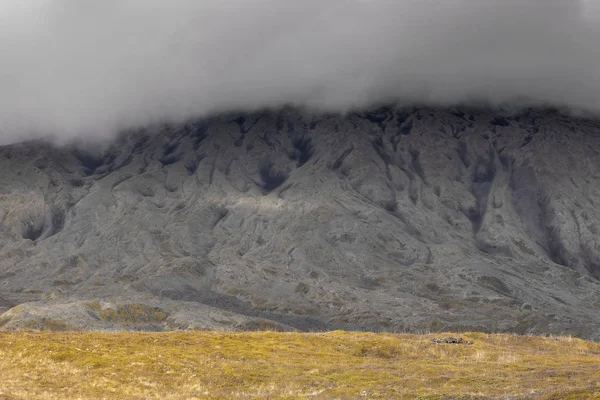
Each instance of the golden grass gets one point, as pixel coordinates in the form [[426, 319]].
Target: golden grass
[[336, 365], [129, 313]]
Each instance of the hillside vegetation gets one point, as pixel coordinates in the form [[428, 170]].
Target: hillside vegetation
[[336, 365]]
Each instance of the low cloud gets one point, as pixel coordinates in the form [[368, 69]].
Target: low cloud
[[85, 68]]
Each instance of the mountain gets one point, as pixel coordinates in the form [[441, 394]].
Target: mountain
[[398, 219]]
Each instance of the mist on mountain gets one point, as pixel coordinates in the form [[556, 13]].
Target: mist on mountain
[[86, 69]]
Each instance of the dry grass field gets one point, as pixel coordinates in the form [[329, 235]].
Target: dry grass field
[[264, 365]]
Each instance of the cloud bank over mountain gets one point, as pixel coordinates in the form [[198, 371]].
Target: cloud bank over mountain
[[85, 68]]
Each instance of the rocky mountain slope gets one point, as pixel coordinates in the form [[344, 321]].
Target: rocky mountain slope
[[409, 219]]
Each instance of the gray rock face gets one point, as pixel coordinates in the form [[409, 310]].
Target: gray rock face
[[396, 219]]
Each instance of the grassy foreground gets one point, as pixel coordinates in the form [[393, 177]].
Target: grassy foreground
[[337, 365]]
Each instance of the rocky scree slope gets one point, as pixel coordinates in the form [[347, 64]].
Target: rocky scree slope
[[409, 219]]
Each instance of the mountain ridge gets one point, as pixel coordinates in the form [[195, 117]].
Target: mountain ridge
[[406, 219]]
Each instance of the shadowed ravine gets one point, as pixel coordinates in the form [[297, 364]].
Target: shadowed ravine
[[398, 219]]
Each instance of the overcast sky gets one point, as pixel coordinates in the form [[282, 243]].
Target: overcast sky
[[77, 68]]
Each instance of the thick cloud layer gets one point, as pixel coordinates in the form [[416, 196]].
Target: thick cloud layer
[[77, 68]]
